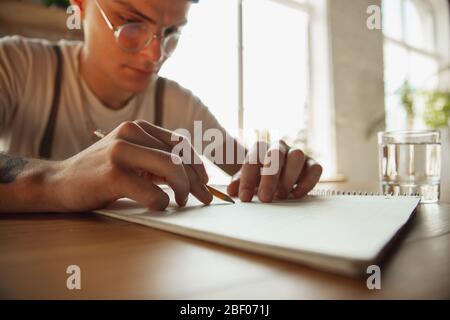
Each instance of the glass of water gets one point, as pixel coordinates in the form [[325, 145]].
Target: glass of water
[[410, 163]]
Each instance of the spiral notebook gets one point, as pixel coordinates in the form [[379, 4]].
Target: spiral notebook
[[338, 233]]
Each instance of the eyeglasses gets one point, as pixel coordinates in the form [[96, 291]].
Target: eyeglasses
[[134, 36]]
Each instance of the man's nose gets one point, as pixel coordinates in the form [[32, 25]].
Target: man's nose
[[153, 50]]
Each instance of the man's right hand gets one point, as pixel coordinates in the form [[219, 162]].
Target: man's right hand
[[112, 168]]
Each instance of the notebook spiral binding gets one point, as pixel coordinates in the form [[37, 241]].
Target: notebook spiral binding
[[329, 193]]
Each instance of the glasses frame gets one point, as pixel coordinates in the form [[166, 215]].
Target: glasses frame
[[117, 30]]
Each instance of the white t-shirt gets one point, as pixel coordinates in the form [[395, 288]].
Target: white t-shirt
[[27, 75]]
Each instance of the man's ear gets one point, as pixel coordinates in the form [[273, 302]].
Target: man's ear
[[81, 4]]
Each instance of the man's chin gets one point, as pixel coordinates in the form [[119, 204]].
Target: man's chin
[[135, 80], [136, 85]]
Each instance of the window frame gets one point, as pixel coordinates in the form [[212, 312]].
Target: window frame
[[294, 4], [434, 54], [320, 123]]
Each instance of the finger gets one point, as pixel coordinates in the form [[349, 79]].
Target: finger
[[233, 186], [172, 139], [198, 189], [134, 133], [308, 178], [251, 175], [290, 174], [273, 164], [155, 161], [141, 190]]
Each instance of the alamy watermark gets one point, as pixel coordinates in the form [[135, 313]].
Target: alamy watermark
[[374, 19], [374, 280], [219, 147], [73, 281], [73, 21]]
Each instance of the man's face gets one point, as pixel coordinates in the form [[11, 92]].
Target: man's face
[[130, 71]]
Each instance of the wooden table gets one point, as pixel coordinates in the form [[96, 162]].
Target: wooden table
[[121, 260]]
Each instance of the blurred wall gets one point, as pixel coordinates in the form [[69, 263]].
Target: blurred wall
[[32, 19], [358, 86]]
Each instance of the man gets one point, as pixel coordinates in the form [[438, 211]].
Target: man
[[107, 82]]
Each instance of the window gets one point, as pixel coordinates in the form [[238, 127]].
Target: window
[[206, 59], [275, 69], [247, 60], [411, 58]]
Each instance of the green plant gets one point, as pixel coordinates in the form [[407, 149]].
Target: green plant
[[436, 114], [58, 3], [436, 106], [437, 111], [436, 102], [407, 98]]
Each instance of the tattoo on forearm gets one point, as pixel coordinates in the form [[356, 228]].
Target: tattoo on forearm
[[10, 167]]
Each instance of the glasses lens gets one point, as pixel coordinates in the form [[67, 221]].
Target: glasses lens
[[170, 43], [133, 36]]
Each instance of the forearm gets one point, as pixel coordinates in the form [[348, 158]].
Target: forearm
[[27, 185]]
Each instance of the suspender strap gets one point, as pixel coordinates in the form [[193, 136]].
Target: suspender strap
[[159, 100], [45, 148]]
